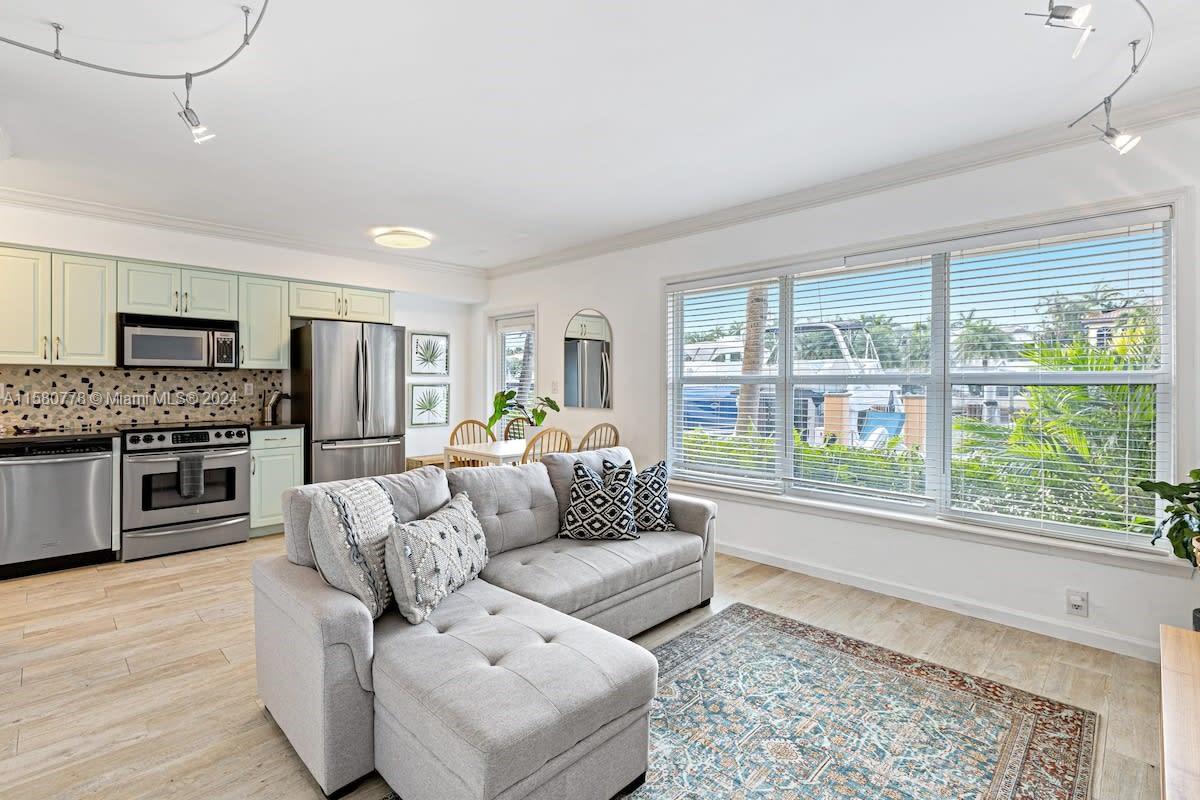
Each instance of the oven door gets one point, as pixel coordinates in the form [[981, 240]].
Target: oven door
[[145, 346], [150, 488]]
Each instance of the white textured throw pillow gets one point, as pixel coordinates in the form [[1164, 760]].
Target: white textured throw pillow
[[430, 558], [349, 529]]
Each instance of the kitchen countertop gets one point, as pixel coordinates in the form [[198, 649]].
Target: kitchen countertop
[[278, 426], [58, 436]]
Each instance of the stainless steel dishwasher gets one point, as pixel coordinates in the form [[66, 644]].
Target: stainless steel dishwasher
[[55, 500]]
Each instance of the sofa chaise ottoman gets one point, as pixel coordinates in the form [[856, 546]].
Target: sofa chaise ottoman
[[520, 684]]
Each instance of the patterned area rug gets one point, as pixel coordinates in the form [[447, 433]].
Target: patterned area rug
[[754, 705]]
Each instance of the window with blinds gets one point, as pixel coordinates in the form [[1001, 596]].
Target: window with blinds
[[516, 358], [1020, 378]]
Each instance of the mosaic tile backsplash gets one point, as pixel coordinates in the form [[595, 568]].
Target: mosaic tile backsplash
[[82, 398]]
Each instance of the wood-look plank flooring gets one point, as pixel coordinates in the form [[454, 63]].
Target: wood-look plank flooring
[[128, 681]]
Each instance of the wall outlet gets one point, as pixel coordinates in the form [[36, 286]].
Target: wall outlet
[[247, 390], [1077, 602]]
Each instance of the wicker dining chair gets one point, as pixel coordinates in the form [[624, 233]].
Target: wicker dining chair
[[603, 435], [515, 429], [551, 440], [470, 431]]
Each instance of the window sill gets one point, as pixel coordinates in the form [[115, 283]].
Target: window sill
[[1165, 564]]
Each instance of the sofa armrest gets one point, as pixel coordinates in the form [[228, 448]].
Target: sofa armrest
[[327, 615], [699, 516], [693, 515], [313, 650]]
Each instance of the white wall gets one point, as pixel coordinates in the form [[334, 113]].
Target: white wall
[[1017, 586], [50, 230], [429, 315]]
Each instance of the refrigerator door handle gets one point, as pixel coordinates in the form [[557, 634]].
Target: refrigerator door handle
[[361, 445], [604, 380], [366, 401], [358, 383]]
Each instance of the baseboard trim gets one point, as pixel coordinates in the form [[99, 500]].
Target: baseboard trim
[[1060, 629]]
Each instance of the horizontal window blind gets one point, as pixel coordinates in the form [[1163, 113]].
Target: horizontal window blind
[[1018, 377], [516, 343], [1060, 388]]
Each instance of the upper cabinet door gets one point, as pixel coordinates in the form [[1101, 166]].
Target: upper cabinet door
[[364, 305], [210, 295], [316, 300], [24, 307], [264, 327], [149, 289], [84, 311]]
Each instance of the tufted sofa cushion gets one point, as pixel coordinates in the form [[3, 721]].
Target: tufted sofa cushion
[[561, 468], [495, 685], [516, 505], [569, 574]]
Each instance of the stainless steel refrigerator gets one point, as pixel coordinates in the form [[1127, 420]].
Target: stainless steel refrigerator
[[348, 390], [586, 370]]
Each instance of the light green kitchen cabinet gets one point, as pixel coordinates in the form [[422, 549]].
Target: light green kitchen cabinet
[[149, 289], [24, 306], [316, 300], [84, 310], [276, 464], [264, 324], [323, 301], [364, 305], [209, 295]]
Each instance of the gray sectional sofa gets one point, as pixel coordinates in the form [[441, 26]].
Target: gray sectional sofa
[[521, 684]]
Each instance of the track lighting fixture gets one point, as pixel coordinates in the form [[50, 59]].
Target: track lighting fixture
[[1121, 141], [1075, 18], [200, 133], [1068, 18]]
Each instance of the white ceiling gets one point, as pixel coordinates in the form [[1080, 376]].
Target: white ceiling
[[513, 130]]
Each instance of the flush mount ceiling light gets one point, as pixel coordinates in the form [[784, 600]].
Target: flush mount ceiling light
[[1070, 17], [402, 238], [200, 133]]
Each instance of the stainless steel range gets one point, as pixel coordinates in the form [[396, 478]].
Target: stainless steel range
[[184, 487]]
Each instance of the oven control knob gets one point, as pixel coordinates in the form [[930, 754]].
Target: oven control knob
[[217, 434], [134, 439], [162, 438], [241, 434]]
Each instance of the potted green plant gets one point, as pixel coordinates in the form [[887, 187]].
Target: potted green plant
[[505, 404], [1181, 526]]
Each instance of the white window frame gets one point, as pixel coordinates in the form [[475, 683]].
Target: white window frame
[[1172, 450]]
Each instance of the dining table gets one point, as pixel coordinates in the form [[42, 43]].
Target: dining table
[[506, 452]]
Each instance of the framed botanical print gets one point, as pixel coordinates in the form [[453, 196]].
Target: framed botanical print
[[428, 404], [428, 353]]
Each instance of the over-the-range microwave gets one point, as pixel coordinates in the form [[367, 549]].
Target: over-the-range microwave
[[149, 341]]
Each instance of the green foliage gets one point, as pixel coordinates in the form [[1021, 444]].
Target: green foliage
[[429, 404], [981, 339], [1182, 524], [504, 404]]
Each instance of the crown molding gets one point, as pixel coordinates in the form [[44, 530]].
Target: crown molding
[[1183, 105], [88, 208]]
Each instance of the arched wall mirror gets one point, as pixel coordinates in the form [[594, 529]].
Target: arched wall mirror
[[587, 361]]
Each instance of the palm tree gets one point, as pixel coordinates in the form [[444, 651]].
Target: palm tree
[[752, 358], [981, 339]]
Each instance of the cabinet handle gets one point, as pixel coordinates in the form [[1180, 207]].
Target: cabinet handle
[[243, 359], [45, 348], [185, 302], [253, 465], [57, 347], [340, 304], [175, 295]]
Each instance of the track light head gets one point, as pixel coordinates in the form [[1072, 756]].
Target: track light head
[[1121, 141], [200, 134]]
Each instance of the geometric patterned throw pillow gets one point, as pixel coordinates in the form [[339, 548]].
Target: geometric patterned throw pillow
[[430, 558], [601, 506], [650, 507], [348, 528]]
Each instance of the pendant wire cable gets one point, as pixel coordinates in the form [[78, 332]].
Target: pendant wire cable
[[1138, 61]]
